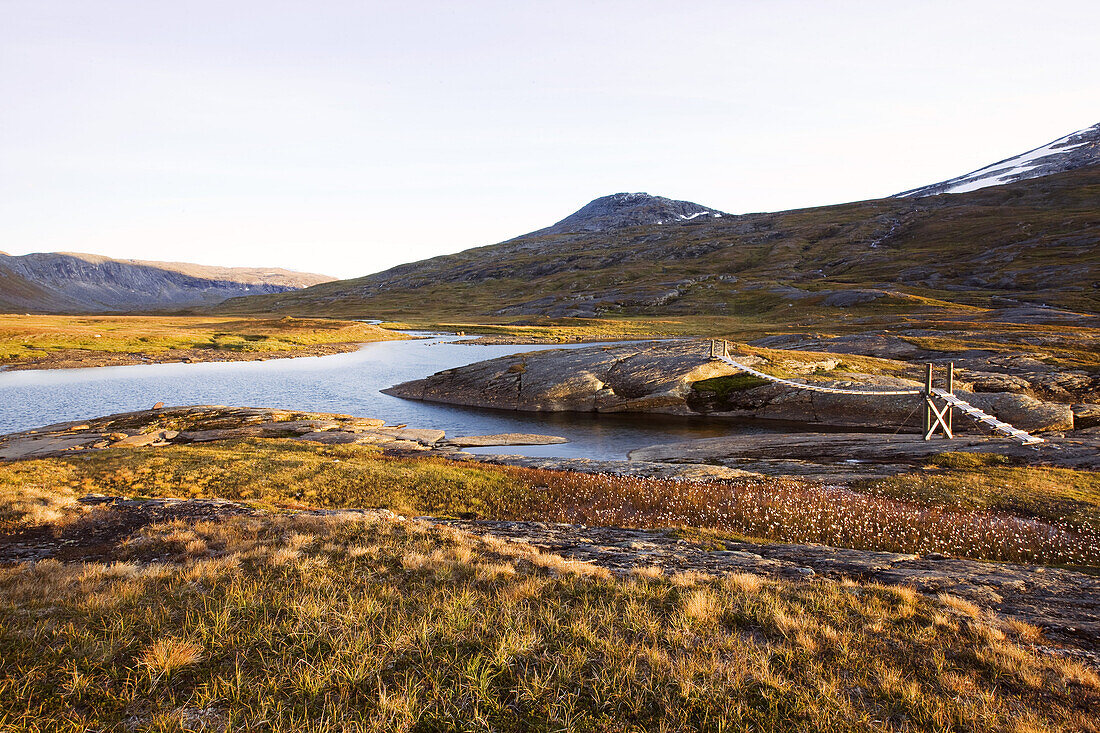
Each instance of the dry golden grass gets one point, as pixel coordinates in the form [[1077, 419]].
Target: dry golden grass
[[356, 623], [35, 493], [166, 655]]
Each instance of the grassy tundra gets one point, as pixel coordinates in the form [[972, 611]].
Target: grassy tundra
[[31, 341], [363, 622]]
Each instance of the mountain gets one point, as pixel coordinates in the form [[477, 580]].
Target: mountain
[[1036, 241], [1075, 150], [625, 210], [71, 282]]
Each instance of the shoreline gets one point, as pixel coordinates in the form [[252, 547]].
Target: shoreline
[[85, 359]]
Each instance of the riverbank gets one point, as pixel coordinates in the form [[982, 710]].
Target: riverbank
[[71, 342]]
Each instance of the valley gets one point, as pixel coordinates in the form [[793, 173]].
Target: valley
[[519, 488]]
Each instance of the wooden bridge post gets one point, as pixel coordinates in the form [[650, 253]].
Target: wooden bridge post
[[926, 426], [950, 390], [934, 417]]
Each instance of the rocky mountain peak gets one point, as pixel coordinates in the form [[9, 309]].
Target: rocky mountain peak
[[1069, 152], [630, 209]]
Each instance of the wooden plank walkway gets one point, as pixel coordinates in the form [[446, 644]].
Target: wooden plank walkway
[[984, 418]]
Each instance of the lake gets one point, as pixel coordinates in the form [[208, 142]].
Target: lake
[[344, 383]]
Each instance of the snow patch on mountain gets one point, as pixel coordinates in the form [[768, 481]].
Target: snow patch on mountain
[[1076, 150]]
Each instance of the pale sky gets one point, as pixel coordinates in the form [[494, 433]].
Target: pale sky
[[347, 137]]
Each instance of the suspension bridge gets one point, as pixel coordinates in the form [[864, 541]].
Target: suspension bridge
[[937, 417]]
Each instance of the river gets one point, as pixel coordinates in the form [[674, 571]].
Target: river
[[343, 383]]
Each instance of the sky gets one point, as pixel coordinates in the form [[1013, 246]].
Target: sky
[[348, 137]]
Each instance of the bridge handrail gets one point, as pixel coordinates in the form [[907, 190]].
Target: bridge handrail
[[814, 387]]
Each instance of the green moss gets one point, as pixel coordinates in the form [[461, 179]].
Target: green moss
[[722, 386], [960, 460]]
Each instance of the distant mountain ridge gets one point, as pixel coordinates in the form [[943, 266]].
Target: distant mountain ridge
[[73, 282], [1069, 152]]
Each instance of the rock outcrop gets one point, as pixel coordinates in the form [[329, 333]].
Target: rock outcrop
[[649, 377], [660, 377]]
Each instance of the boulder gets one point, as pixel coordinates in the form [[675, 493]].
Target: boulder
[[994, 382], [1086, 416], [1022, 411]]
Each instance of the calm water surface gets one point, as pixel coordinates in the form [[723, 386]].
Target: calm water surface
[[344, 383]]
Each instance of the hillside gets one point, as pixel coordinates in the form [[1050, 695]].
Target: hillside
[[1033, 241], [69, 282]]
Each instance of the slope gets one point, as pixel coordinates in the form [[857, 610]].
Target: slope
[[1034, 241]]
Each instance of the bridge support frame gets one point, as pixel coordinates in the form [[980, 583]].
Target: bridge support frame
[[937, 419]]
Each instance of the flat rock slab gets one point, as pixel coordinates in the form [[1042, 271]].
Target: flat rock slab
[[847, 449], [332, 437], [1065, 604], [40, 446], [160, 436], [198, 424], [427, 436], [690, 472], [473, 441]]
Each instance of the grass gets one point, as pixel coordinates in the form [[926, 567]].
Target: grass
[[286, 474], [963, 481], [344, 623], [24, 338]]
